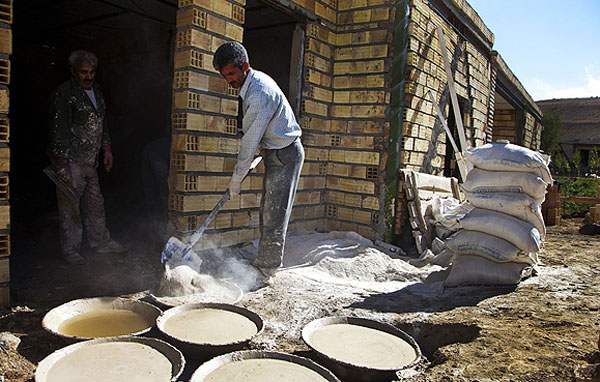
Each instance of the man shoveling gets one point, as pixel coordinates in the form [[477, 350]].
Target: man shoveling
[[268, 121]]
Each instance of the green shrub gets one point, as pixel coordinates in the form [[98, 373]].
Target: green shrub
[[577, 187]]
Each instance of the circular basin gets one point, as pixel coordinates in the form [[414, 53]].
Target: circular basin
[[222, 292], [98, 317], [261, 366], [131, 359], [205, 330], [361, 349]]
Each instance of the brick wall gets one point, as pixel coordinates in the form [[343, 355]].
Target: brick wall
[[424, 145], [345, 113], [5, 52]]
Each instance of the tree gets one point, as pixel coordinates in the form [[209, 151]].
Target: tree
[[594, 161], [552, 122], [560, 164]]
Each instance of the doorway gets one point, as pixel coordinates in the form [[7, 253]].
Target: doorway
[[133, 41]]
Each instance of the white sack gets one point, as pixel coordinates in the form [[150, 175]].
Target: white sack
[[480, 180], [481, 244], [474, 270], [509, 157], [448, 212], [520, 233], [520, 206]]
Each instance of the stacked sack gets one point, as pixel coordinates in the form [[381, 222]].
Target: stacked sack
[[499, 238]]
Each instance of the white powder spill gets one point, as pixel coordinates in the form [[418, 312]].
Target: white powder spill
[[345, 259]]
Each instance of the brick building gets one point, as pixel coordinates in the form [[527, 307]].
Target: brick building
[[357, 72]]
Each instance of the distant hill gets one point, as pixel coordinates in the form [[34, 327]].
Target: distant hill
[[580, 117]]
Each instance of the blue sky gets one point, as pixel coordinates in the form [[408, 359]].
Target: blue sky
[[552, 46]]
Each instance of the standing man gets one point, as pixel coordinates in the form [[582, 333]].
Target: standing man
[[268, 120], [77, 135]]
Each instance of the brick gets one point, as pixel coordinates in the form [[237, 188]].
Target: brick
[[250, 200], [4, 216], [318, 47], [4, 72], [246, 235], [223, 220], [314, 107], [313, 61], [202, 122], [317, 78], [316, 123], [368, 111], [325, 12], [191, 16], [195, 59], [321, 33], [370, 202], [4, 130], [359, 67], [6, 11], [4, 158], [229, 238], [4, 195], [234, 32], [318, 93], [190, 203], [5, 41], [194, 38], [4, 103], [361, 52]]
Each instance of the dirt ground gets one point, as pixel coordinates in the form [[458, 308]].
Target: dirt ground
[[546, 329]]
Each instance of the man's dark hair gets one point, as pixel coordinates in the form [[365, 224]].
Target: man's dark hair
[[232, 53]]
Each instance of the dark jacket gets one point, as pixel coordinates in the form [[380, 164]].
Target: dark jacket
[[77, 128]]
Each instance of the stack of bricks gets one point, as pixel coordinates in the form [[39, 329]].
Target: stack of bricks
[[205, 126], [552, 206], [5, 52]]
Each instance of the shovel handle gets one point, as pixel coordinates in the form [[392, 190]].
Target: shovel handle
[[196, 236]]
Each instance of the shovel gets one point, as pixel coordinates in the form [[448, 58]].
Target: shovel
[[176, 247]]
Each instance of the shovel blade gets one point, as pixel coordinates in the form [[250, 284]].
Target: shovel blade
[[176, 251]]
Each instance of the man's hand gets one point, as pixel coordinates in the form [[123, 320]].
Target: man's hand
[[234, 188], [61, 168], [108, 158]]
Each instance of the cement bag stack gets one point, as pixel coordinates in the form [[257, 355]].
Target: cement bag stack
[[500, 237]]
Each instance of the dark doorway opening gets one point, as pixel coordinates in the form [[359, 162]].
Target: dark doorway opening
[[450, 167], [134, 43], [274, 39]]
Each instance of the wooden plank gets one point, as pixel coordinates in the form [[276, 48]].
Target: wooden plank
[[581, 199]]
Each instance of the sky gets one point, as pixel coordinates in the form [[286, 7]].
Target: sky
[[552, 46]]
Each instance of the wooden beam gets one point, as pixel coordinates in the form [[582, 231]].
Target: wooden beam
[[581, 199]]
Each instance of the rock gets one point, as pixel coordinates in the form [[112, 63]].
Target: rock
[[9, 341]]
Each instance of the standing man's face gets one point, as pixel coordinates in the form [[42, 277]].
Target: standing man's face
[[235, 76], [84, 76]]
